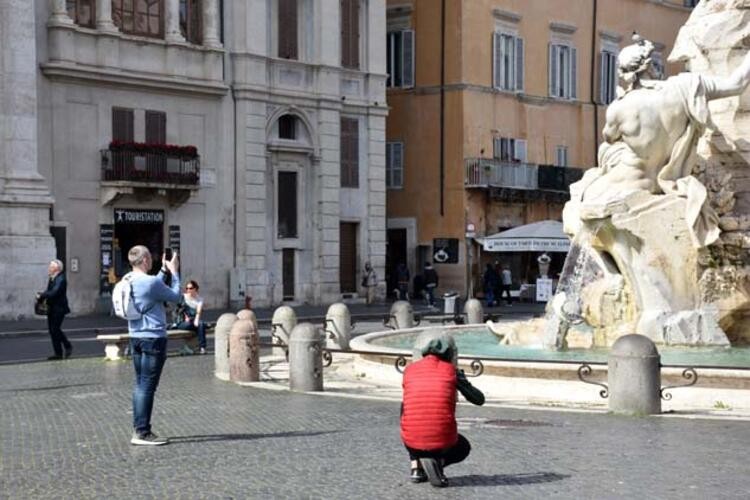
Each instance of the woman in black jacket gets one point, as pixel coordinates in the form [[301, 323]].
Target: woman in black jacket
[[57, 308]]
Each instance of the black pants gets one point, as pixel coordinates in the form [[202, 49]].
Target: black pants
[[59, 340], [456, 453], [505, 289]]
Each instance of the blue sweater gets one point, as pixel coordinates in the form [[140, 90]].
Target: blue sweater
[[150, 293]]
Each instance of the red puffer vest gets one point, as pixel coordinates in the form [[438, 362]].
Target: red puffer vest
[[428, 421]]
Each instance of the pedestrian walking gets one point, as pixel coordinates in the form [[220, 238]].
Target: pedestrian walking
[[402, 277], [490, 280], [506, 279], [56, 297], [430, 283], [148, 336], [428, 411], [370, 283]]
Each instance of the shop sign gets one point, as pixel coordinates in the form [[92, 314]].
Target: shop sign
[[130, 216], [445, 250]]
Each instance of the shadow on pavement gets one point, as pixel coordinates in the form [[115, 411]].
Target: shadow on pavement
[[506, 479], [243, 437]]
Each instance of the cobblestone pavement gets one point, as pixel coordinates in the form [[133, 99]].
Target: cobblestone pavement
[[64, 430]]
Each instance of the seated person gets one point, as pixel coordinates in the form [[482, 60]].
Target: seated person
[[428, 410], [190, 311]]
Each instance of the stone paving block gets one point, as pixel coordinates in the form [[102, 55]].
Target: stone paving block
[[65, 427]]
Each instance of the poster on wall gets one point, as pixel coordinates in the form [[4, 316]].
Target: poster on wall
[[543, 289], [445, 250], [106, 234], [174, 239]]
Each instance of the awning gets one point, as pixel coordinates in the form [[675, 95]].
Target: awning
[[544, 236]]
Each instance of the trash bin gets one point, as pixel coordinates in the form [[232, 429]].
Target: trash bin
[[449, 301]]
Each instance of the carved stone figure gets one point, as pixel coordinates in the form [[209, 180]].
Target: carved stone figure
[[644, 225]]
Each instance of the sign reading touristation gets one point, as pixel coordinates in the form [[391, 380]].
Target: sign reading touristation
[[130, 216]]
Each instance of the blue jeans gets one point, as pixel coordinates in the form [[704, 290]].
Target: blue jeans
[[149, 355], [201, 329]]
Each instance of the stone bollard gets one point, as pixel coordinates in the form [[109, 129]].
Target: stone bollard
[[338, 326], [221, 345], [305, 362], [283, 322], [248, 314], [402, 315], [474, 312], [634, 376], [244, 355]]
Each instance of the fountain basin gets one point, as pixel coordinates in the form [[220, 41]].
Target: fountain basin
[[533, 375]]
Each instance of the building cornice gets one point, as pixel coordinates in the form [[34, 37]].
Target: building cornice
[[507, 16], [85, 74], [564, 28]]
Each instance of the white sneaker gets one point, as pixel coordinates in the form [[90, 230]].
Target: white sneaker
[[148, 439]]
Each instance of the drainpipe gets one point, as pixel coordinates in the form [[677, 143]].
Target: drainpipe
[[442, 108], [593, 80]]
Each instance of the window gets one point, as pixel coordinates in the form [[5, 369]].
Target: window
[[122, 125], [156, 127], [507, 149], [139, 17], [288, 127], [350, 34], [287, 205], [400, 58], [607, 76], [190, 20], [561, 156], [287, 29], [394, 165], [82, 12], [562, 71], [349, 152], [507, 59]]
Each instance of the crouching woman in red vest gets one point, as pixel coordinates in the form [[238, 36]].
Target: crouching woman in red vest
[[428, 411]]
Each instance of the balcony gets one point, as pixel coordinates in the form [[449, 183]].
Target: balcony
[[145, 163], [520, 181], [148, 170]]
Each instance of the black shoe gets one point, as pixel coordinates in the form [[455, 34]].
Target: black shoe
[[56, 357], [68, 352], [418, 475], [434, 471], [148, 439]]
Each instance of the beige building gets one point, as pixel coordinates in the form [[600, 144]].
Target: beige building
[[249, 135], [495, 107]]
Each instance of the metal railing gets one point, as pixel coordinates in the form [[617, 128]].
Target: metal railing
[[486, 172], [492, 172], [151, 167]]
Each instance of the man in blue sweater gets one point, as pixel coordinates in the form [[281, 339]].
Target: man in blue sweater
[[148, 336]]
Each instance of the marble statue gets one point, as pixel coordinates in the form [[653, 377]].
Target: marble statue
[[646, 222]]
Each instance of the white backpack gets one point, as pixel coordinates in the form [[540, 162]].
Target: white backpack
[[123, 299]]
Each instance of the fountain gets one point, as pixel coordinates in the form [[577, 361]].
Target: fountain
[[660, 229]]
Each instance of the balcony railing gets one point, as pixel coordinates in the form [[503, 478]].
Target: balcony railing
[[154, 167], [488, 172]]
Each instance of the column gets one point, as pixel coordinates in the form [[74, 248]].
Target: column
[[59, 12], [26, 246], [104, 16], [211, 23], [173, 33]]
